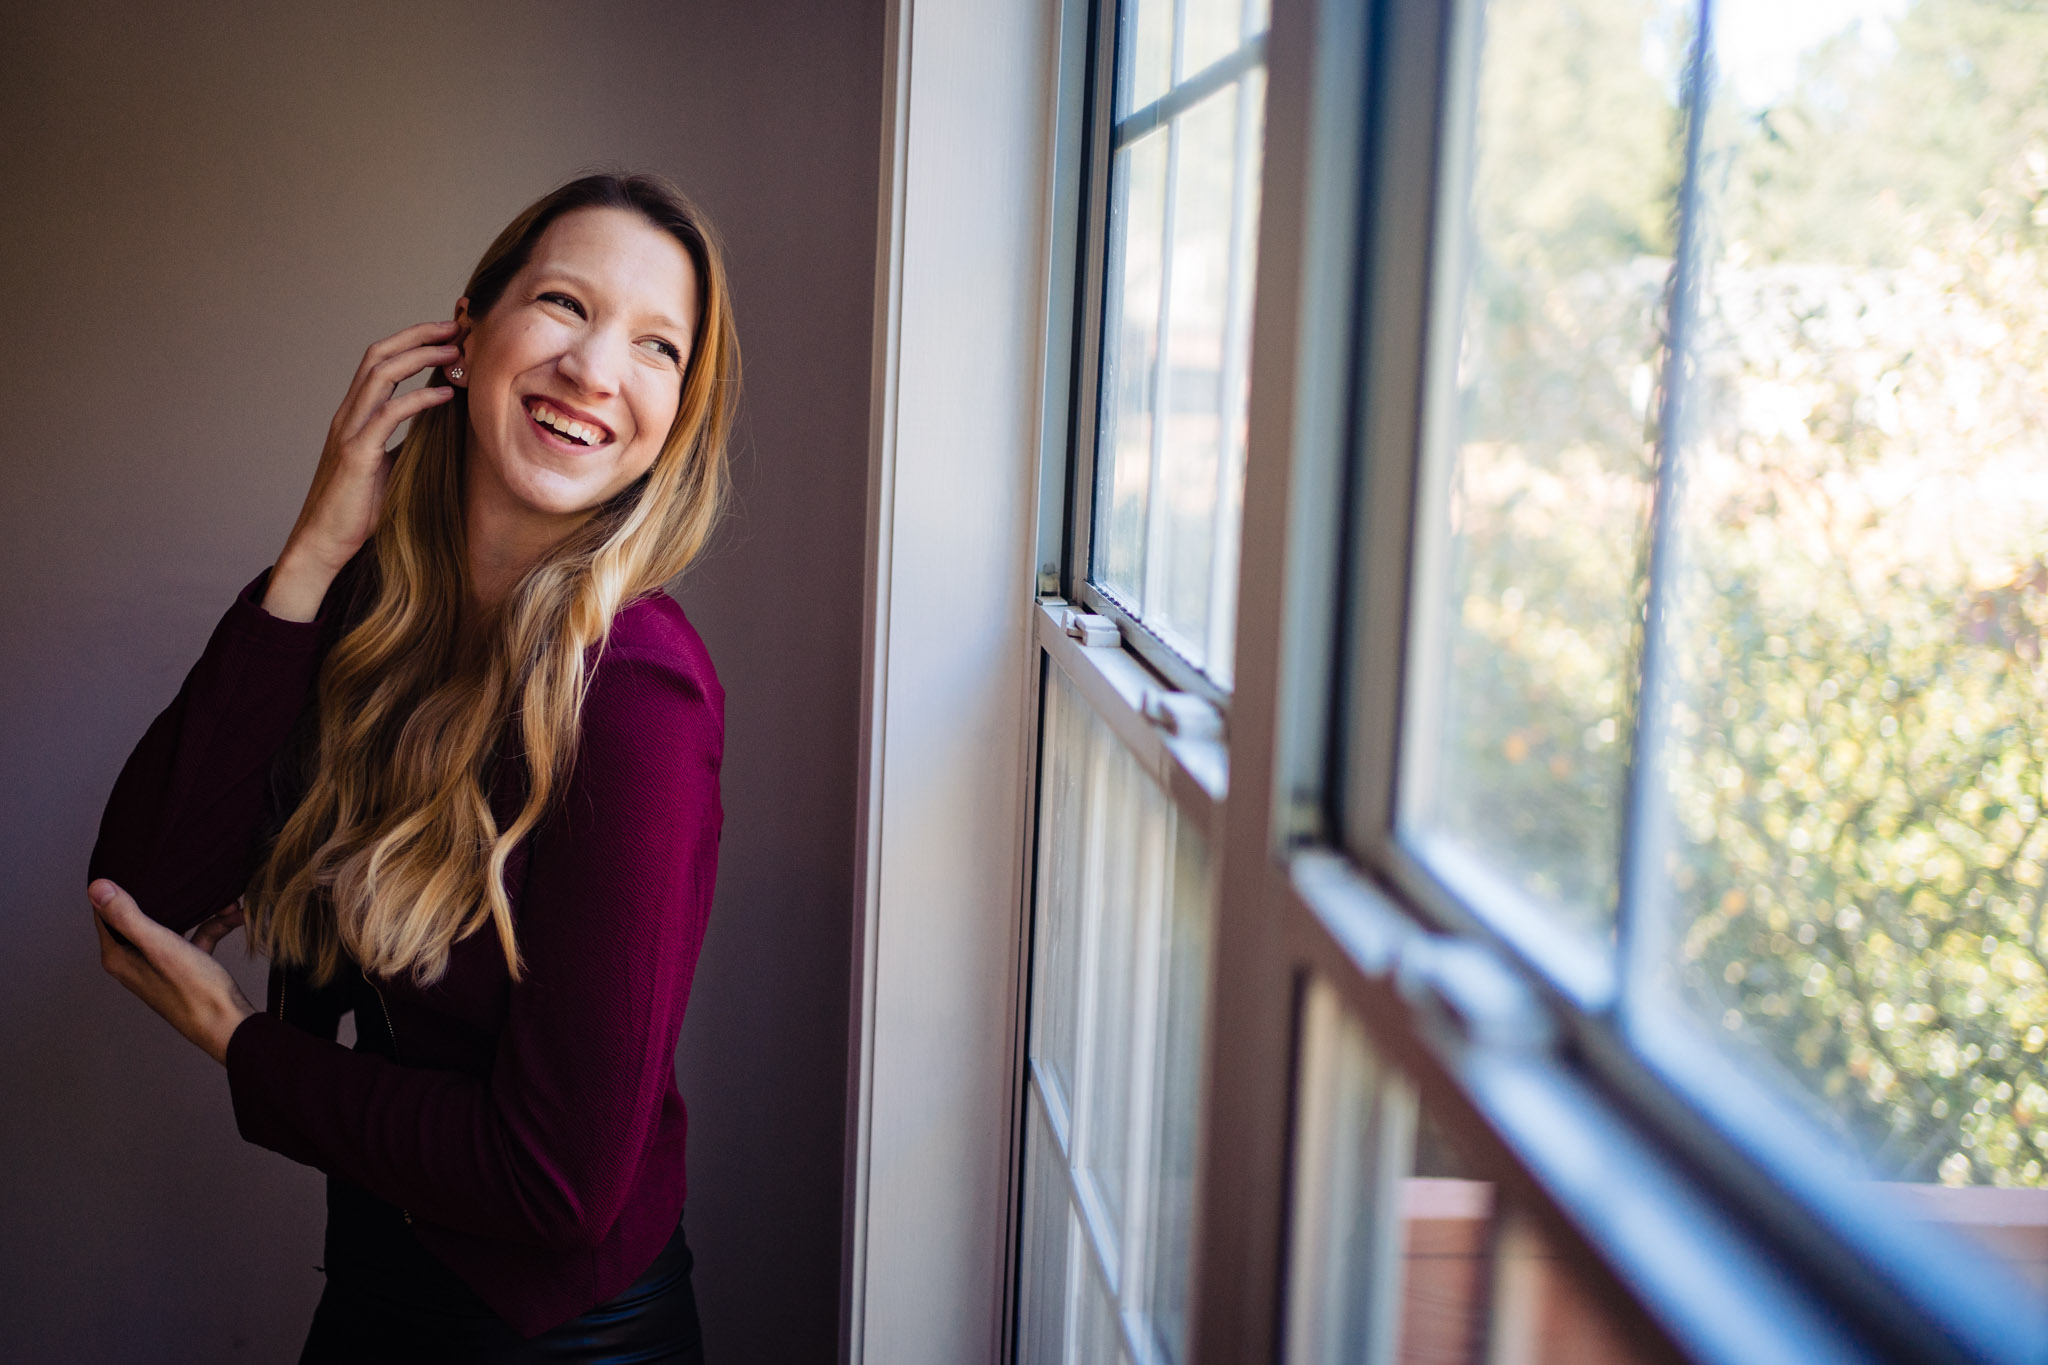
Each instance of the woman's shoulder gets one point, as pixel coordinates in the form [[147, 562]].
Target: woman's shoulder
[[653, 638]]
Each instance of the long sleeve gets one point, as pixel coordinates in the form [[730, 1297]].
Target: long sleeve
[[546, 1149], [181, 828]]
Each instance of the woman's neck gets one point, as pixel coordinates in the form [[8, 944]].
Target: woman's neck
[[504, 539]]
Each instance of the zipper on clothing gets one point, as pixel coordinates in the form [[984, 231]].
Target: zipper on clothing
[[392, 1033]]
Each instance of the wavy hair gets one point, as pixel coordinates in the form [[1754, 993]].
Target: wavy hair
[[394, 854]]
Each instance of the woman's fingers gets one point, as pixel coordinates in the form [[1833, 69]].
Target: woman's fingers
[[341, 508], [118, 955], [406, 339], [411, 403], [118, 912], [374, 387], [180, 982], [211, 931]]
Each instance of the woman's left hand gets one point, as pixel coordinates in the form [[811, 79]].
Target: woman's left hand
[[175, 977]]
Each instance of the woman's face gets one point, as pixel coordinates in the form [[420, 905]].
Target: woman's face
[[575, 374]]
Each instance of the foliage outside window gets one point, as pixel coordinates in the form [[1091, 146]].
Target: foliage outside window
[[1853, 447]]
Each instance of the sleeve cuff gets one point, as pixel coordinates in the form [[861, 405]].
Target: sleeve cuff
[[258, 1047], [274, 634]]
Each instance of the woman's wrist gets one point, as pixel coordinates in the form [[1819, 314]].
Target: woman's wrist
[[222, 1031], [298, 584]]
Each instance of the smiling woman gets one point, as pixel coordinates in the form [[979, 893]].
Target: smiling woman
[[460, 700]]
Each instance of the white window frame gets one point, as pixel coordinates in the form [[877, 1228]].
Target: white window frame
[[1736, 1256]]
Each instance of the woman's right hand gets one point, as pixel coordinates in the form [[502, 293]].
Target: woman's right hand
[[348, 487]]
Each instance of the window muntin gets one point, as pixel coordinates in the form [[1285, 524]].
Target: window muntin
[[1183, 222]]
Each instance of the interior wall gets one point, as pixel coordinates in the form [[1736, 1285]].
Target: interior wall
[[212, 208]]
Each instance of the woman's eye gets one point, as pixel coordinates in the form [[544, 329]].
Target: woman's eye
[[667, 348], [562, 300]]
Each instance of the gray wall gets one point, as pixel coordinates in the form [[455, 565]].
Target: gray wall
[[210, 209]]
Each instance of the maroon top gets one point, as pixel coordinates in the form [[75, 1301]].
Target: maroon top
[[531, 1131]]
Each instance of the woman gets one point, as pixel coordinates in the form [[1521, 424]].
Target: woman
[[453, 761]]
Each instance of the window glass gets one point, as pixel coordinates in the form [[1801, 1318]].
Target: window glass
[[1146, 51], [1446, 1211], [1213, 30], [1547, 1311], [1117, 1017], [1536, 501], [1062, 892], [1402, 1249], [1042, 1301], [1337, 1268], [1130, 364], [1858, 721], [1169, 461], [1183, 1027], [1127, 866]]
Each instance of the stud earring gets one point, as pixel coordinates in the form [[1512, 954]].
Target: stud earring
[[455, 372]]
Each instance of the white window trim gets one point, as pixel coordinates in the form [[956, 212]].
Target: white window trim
[[967, 224]]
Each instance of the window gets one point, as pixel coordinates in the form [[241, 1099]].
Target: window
[[1160, 547], [1122, 962], [1136, 660], [1623, 940], [1719, 537]]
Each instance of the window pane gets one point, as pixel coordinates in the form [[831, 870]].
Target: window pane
[[1183, 1016], [1391, 1227], [1042, 1291], [1127, 864], [1546, 1311], [1097, 1338], [1858, 717], [1215, 29], [1130, 365], [1447, 1214], [1401, 1250], [1119, 981], [1066, 752], [1147, 53], [1201, 473], [1534, 520], [1336, 1223], [1170, 448]]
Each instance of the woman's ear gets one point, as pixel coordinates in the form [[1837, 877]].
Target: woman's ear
[[456, 369]]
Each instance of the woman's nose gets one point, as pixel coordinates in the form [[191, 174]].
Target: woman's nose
[[592, 362]]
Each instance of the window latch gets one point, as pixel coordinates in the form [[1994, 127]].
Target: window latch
[[1467, 990], [1093, 631], [1183, 714]]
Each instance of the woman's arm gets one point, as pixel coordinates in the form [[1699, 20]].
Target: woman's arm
[[180, 832], [546, 1150]]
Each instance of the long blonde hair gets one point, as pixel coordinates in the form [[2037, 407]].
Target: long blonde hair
[[394, 855]]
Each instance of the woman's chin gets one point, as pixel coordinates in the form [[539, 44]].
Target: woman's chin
[[545, 493]]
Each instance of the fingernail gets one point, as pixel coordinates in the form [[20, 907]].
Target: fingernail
[[101, 892]]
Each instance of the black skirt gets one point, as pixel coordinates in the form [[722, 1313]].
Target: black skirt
[[389, 1299]]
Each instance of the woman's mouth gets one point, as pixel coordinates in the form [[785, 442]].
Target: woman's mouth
[[559, 428]]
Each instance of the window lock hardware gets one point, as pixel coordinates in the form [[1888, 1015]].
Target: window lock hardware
[[1468, 990], [1093, 631], [1183, 714]]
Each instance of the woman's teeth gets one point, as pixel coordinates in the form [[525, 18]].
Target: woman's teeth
[[575, 431]]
